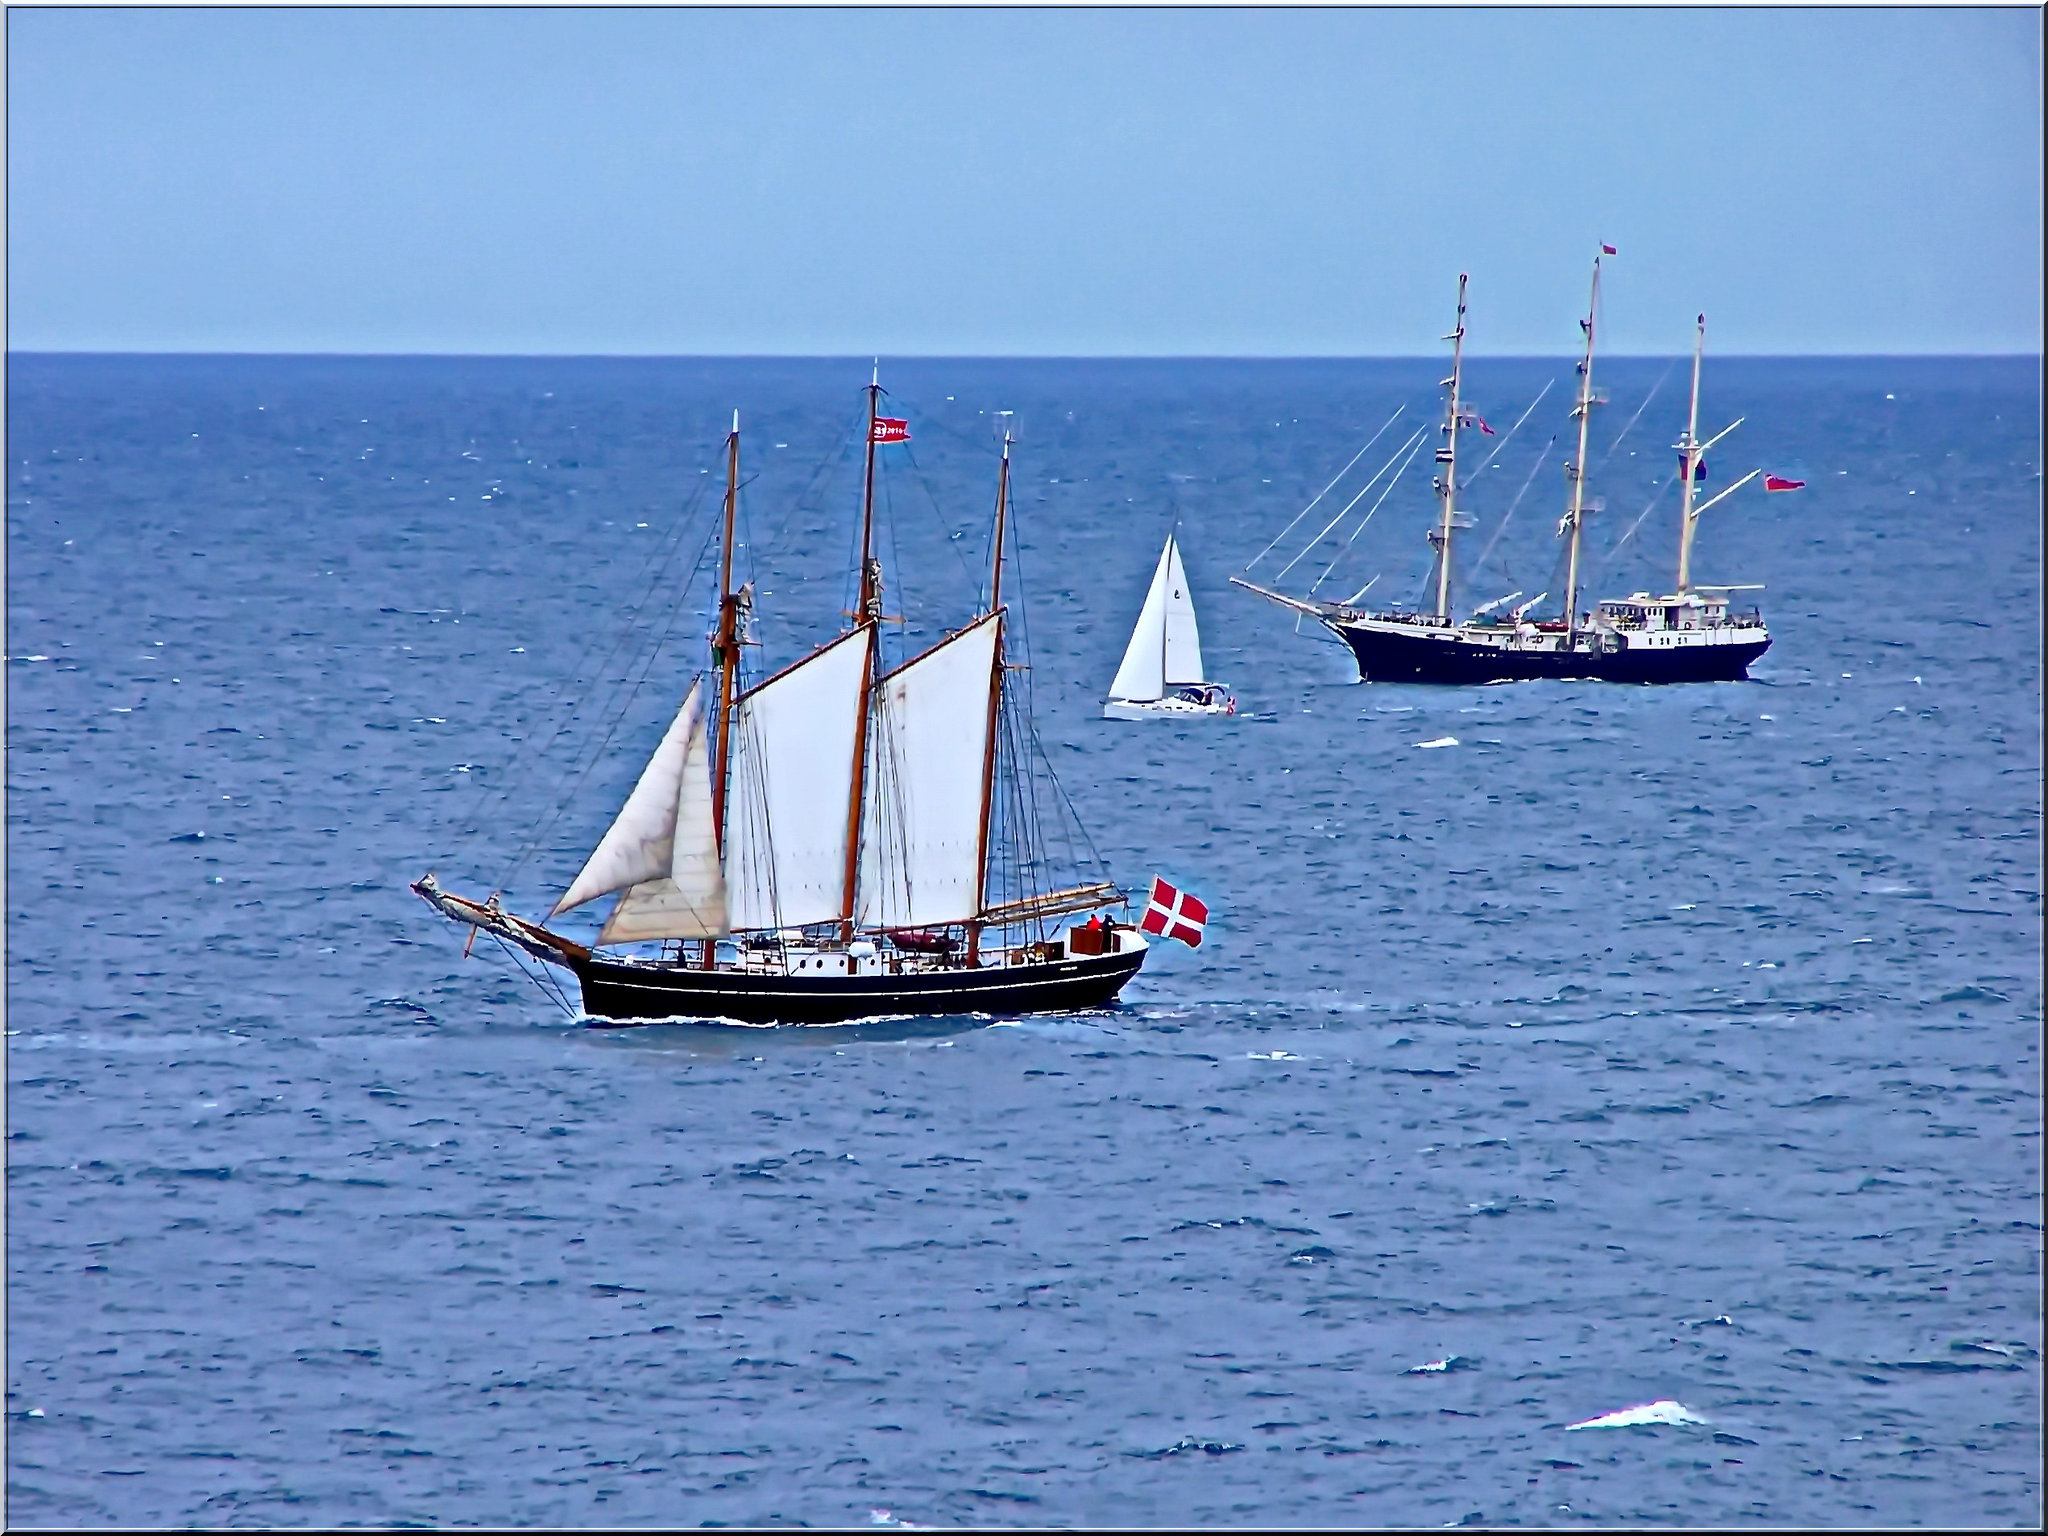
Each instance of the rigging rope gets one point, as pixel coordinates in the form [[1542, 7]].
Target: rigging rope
[[1480, 564], [1466, 483], [1391, 483], [1304, 512], [1415, 437], [534, 745]]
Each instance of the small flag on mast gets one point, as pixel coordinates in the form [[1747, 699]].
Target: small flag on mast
[[1174, 914], [1606, 249], [890, 429], [1776, 483], [1699, 470]]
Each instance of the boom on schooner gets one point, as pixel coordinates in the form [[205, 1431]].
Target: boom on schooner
[[1692, 635], [817, 847]]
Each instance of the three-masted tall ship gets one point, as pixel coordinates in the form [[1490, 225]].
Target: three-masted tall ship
[[817, 846], [1689, 635]]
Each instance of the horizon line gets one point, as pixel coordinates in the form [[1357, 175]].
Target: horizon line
[[1005, 357]]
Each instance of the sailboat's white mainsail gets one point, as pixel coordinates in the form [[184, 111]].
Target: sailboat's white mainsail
[[1166, 647], [1183, 639], [661, 849], [791, 786], [921, 848]]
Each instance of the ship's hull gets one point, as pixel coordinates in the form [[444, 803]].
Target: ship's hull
[[1165, 709], [1396, 653], [617, 994]]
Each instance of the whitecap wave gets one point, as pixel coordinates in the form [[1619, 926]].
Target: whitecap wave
[[1665, 1410]]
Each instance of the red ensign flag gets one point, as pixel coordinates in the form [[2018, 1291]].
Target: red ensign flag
[[1774, 483], [890, 429], [1174, 914]]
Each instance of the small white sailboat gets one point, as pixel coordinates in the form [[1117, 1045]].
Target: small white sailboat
[[1161, 676]]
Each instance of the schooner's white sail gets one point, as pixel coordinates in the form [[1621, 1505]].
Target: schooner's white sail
[[661, 848], [794, 742], [690, 903], [921, 849]]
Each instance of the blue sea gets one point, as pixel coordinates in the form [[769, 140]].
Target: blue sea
[[1644, 1047]]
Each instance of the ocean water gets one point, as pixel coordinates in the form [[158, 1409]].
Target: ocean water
[[1674, 1050]]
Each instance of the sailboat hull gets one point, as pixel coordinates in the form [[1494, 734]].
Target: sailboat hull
[[619, 994], [1418, 653]]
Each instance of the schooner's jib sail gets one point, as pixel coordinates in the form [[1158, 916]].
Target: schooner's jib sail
[[819, 846], [1690, 635], [1161, 676]]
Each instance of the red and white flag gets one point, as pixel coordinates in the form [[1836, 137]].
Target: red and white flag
[[1776, 483], [1174, 914], [890, 429]]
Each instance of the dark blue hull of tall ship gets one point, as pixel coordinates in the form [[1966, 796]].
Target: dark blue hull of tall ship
[[1392, 652]]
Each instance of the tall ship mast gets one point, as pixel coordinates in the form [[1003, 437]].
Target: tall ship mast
[[1690, 635], [822, 844]]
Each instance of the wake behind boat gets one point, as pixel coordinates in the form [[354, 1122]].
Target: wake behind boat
[[823, 845], [1161, 673], [1693, 634]]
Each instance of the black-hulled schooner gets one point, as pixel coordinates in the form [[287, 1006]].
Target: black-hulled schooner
[[816, 847], [1690, 635]]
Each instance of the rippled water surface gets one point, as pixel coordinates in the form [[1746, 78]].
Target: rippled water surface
[[1648, 1046]]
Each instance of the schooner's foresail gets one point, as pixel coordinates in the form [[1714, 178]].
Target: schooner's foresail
[[921, 853], [661, 849], [794, 741], [690, 903]]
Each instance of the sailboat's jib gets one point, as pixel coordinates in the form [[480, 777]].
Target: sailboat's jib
[[1182, 652], [641, 843], [793, 746], [920, 855]]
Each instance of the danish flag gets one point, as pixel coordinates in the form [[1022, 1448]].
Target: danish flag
[[1174, 914], [890, 429]]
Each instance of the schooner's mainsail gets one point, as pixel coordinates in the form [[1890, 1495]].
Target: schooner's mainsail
[[818, 847], [1161, 674]]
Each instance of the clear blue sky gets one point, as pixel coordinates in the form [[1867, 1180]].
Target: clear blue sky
[[1050, 182]]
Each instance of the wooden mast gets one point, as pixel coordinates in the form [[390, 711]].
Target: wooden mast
[[1689, 451], [866, 614], [1577, 468], [725, 650], [1447, 456], [995, 699]]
